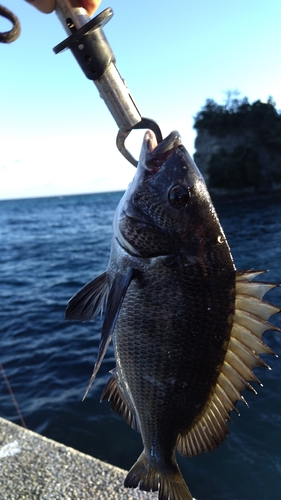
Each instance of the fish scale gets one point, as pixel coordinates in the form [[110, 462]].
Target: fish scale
[[187, 327], [169, 295]]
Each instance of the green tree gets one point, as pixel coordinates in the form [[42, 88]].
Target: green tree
[[235, 170]]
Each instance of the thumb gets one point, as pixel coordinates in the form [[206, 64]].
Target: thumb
[[45, 6]]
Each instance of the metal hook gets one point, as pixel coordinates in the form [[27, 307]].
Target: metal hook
[[123, 134]]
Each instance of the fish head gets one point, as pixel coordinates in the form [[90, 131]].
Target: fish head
[[167, 205]]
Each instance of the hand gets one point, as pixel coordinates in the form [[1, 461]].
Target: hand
[[48, 6]]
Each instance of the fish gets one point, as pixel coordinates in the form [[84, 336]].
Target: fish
[[186, 325]]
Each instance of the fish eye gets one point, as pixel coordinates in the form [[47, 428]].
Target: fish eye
[[178, 196]]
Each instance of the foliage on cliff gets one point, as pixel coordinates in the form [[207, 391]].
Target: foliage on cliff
[[259, 125], [236, 170]]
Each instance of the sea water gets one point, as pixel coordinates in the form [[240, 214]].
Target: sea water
[[49, 248]]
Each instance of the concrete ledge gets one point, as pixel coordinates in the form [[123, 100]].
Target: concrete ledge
[[36, 468]]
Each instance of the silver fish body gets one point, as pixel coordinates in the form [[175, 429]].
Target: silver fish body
[[186, 325]]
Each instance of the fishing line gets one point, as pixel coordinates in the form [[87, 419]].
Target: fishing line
[[12, 396]]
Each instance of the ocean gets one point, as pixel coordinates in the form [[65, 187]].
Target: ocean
[[50, 247]]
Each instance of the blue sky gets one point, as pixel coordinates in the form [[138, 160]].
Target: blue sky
[[56, 134]]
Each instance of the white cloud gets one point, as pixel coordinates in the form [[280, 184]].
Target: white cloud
[[45, 166]]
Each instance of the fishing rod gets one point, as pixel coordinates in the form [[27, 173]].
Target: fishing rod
[[88, 44]]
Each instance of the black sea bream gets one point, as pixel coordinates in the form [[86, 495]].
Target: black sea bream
[[187, 327]]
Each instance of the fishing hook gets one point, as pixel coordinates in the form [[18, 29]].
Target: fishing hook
[[123, 134]]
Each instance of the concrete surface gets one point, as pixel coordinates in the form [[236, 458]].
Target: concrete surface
[[33, 467]]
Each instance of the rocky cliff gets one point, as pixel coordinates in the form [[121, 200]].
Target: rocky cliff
[[239, 145]]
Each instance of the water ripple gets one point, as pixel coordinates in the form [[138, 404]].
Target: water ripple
[[50, 248]]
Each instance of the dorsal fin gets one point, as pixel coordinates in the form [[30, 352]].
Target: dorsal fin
[[242, 356]]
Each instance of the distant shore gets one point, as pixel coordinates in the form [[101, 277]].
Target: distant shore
[[224, 195]]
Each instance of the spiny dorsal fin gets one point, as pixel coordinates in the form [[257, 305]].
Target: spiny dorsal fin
[[242, 356], [118, 403]]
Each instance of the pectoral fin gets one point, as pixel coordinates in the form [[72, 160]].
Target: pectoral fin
[[90, 300], [116, 296]]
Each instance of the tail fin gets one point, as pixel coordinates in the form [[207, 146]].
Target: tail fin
[[171, 485]]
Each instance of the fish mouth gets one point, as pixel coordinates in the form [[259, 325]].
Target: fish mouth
[[132, 219], [157, 154]]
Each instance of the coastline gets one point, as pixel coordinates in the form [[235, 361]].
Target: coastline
[[230, 196], [33, 466]]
